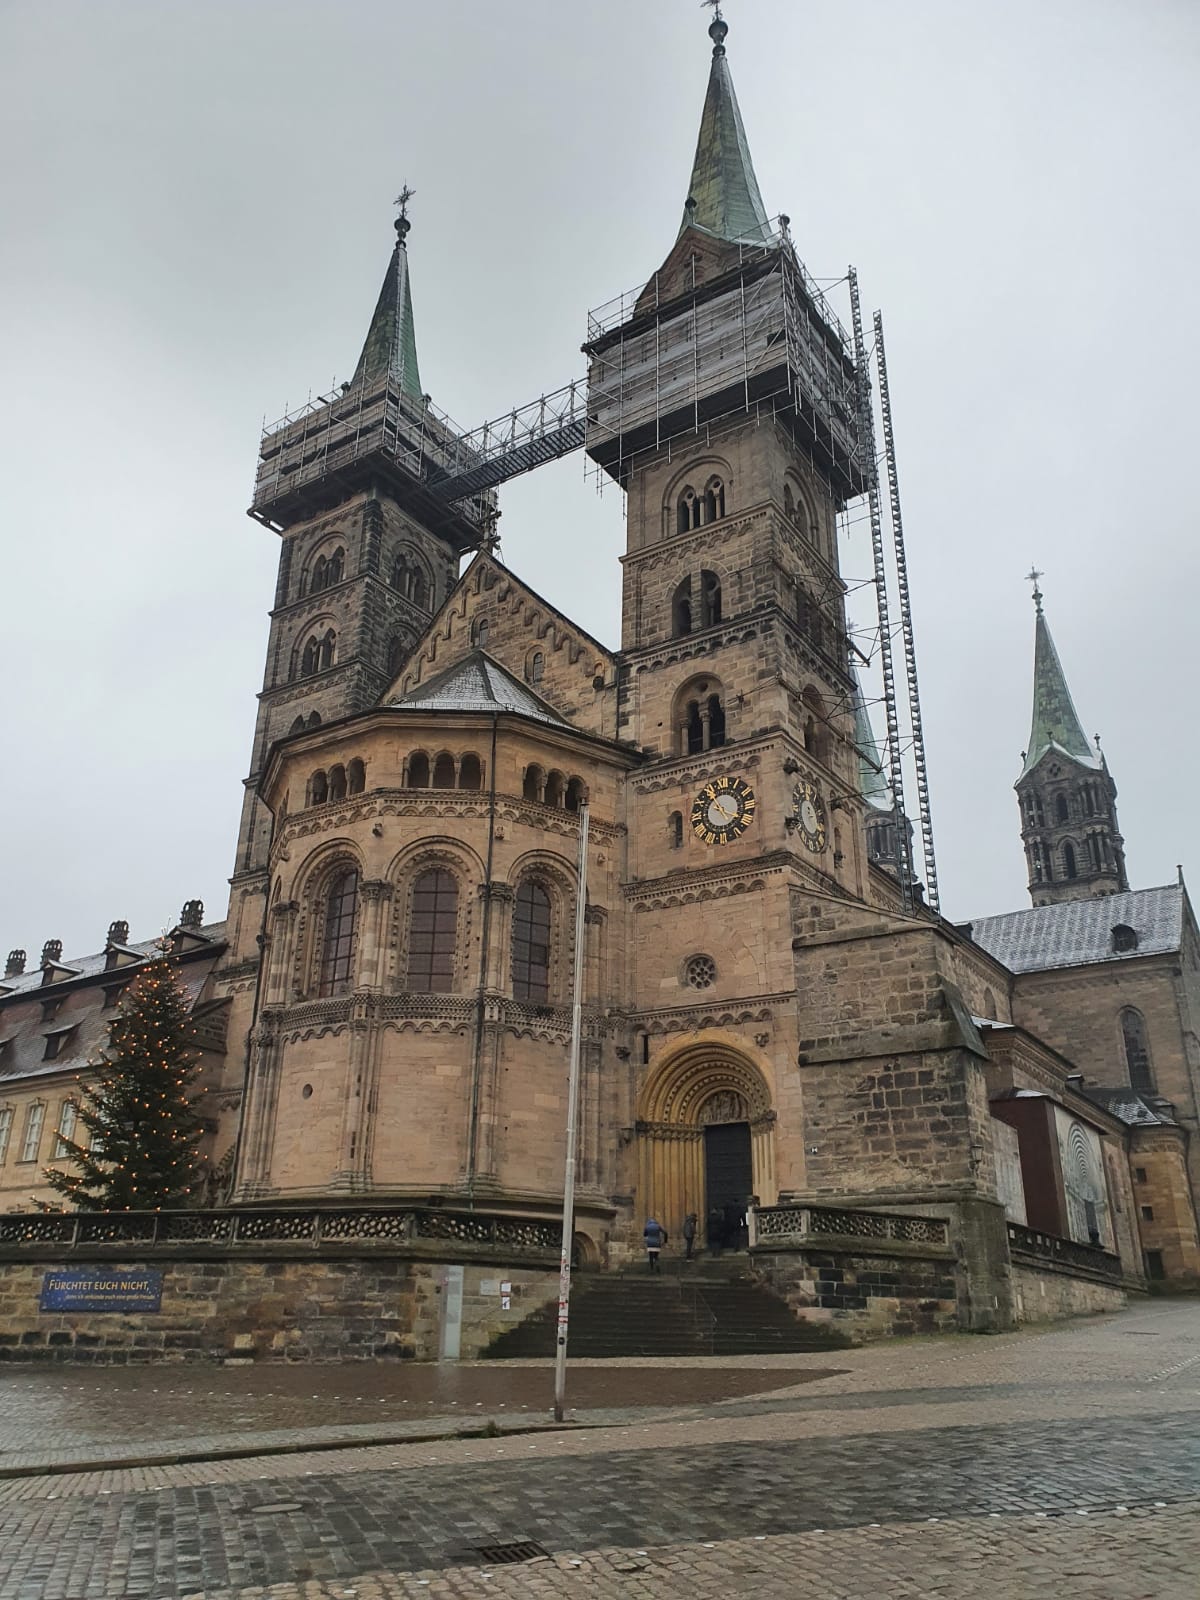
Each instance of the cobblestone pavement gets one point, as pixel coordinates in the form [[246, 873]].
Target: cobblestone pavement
[[1002, 1467]]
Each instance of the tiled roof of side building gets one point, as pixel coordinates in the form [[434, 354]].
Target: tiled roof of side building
[[1132, 1108], [92, 966], [1080, 932]]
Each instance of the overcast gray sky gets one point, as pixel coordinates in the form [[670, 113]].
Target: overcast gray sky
[[196, 217]]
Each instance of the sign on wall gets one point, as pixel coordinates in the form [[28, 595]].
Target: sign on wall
[[95, 1289]]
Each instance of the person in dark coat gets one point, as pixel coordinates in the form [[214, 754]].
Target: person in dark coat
[[654, 1235], [716, 1231], [689, 1234]]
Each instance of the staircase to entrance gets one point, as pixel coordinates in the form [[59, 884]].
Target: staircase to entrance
[[705, 1307]]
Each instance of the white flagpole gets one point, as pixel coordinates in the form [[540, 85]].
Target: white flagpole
[[568, 1227]]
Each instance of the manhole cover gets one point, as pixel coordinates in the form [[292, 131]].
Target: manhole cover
[[506, 1555], [275, 1508]]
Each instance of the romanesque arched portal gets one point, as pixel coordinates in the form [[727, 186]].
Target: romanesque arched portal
[[705, 1134]]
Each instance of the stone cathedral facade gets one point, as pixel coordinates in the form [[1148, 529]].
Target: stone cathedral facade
[[765, 1014]]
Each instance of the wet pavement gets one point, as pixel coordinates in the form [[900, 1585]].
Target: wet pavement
[[1058, 1460], [51, 1417]]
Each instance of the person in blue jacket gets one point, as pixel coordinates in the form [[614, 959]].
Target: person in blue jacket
[[655, 1236]]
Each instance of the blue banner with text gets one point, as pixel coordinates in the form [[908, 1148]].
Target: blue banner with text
[[100, 1290]]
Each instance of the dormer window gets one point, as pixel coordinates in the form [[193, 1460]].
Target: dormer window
[[1124, 938], [56, 1041]]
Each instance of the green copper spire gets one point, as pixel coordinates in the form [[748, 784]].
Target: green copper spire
[[871, 780], [391, 342], [723, 198], [1055, 723]]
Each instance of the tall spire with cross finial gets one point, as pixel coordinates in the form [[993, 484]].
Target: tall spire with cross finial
[[1073, 844], [391, 344], [723, 197]]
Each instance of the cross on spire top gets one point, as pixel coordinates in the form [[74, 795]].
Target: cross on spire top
[[718, 28], [401, 201], [1033, 575]]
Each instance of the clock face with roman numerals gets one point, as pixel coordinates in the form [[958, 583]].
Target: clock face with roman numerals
[[810, 816], [723, 810]]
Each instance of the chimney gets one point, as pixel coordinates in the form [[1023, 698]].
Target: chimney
[[118, 933], [192, 915], [51, 952], [15, 965]]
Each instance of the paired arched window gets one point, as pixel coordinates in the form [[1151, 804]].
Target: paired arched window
[[700, 717], [328, 570], [692, 509], [410, 579], [433, 932], [337, 783], [318, 654], [337, 933], [1137, 1049], [531, 944], [356, 777]]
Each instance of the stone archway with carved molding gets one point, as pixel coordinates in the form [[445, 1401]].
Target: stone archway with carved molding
[[690, 1089]]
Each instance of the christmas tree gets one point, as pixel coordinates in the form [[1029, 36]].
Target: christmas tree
[[140, 1111]]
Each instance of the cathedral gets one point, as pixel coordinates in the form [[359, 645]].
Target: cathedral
[[772, 1015]]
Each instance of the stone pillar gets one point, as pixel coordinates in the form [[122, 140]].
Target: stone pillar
[[985, 1295], [352, 1162], [281, 952], [375, 896], [262, 1089]]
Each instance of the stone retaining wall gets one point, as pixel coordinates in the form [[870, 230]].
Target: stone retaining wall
[[215, 1308], [1043, 1293], [866, 1294]]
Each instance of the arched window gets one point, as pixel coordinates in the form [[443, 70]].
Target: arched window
[[1137, 1050], [356, 777], [337, 942], [318, 575], [701, 719], [555, 788], [531, 944], [418, 770], [576, 794], [314, 719], [470, 772], [479, 632], [328, 570], [443, 771], [328, 649], [318, 789], [296, 727], [1070, 870], [433, 933], [675, 829], [687, 515], [1062, 811], [409, 579], [1095, 853], [1124, 938], [681, 610], [710, 599], [533, 786], [397, 652], [537, 667], [310, 659], [714, 500], [337, 783]]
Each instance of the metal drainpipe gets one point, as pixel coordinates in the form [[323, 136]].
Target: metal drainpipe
[[258, 989], [481, 999]]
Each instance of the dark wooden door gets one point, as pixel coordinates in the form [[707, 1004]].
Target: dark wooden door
[[728, 1169]]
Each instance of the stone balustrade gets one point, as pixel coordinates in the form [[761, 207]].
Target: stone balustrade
[[785, 1227], [251, 1228], [1047, 1249]]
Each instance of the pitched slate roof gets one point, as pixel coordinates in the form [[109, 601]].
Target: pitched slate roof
[[1079, 932], [724, 188], [1132, 1108], [477, 683]]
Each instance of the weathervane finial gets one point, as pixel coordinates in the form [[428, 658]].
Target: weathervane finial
[[401, 201], [718, 28], [1033, 575]]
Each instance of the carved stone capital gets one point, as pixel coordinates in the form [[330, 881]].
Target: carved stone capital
[[285, 908], [501, 893], [375, 889], [595, 915]]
